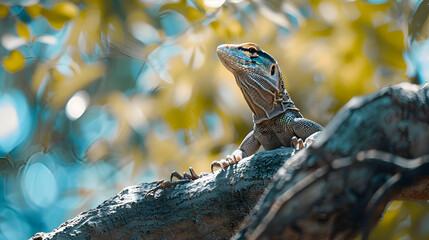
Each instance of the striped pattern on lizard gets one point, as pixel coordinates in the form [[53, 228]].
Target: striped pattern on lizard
[[277, 121]]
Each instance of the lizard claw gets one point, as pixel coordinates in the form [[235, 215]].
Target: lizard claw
[[222, 164], [177, 175], [300, 143], [308, 142], [165, 184], [234, 158], [297, 143], [168, 184], [160, 185], [191, 176]]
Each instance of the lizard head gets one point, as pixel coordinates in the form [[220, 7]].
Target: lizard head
[[247, 57], [258, 76]]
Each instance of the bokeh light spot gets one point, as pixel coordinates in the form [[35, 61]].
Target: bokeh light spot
[[15, 120], [47, 39], [214, 3], [145, 33], [9, 119], [11, 42], [77, 105], [39, 185], [182, 93], [328, 11]]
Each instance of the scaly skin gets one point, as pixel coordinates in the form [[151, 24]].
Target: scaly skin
[[277, 122]]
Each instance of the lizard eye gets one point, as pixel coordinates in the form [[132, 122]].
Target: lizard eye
[[252, 50], [273, 69]]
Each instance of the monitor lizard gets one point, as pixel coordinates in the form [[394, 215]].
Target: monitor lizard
[[277, 121]]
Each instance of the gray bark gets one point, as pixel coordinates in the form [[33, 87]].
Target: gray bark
[[211, 207], [373, 151]]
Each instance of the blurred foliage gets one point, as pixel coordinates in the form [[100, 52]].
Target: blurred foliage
[[98, 95]]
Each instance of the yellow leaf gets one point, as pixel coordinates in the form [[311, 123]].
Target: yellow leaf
[[393, 37], [34, 10], [22, 31], [235, 28], [4, 11], [391, 45], [190, 13], [55, 22], [14, 62], [60, 14], [66, 9], [39, 76]]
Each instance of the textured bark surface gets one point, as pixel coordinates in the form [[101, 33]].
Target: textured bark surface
[[375, 150], [211, 207]]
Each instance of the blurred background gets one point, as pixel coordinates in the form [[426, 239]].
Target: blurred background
[[98, 95]]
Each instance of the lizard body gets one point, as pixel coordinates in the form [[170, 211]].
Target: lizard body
[[277, 121]]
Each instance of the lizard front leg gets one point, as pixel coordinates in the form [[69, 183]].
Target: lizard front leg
[[248, 147], [303, 129]]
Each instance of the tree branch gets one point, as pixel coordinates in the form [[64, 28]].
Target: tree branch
[[373, 151], [210, 207]]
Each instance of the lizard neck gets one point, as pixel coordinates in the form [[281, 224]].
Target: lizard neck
[[264, 99]]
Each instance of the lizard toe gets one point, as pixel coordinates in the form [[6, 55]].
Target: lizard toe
[[300, 144], [294, 142], [163, 185], [222, 164], [175, 174], [308, 142], [193, 174]]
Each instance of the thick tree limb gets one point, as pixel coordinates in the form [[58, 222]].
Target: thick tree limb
[[374, 150], [211, 207]]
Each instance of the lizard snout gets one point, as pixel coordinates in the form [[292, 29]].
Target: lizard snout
[[223, 47]]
